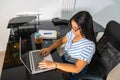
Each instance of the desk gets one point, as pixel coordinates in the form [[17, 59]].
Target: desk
[[16, 71], [19, 72]]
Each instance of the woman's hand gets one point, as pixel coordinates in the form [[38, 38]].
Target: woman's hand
[[47, 64], [44, 52]]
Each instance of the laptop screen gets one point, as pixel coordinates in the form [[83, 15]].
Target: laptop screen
[[23, 53]]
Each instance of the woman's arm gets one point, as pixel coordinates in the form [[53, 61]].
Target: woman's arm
[[67, 67], [57, 43], [74, 68]]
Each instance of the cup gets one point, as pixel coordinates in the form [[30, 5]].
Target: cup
[[38, 39]]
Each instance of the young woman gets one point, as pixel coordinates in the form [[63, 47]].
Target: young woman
[[80, 46]]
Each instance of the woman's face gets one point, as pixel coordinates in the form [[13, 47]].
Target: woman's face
[[75, 27]]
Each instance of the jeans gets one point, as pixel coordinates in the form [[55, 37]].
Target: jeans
[[73, 75]]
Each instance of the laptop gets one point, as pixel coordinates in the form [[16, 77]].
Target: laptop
[[30, 59]]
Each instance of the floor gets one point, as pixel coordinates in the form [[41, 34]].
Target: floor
[[2, 54]]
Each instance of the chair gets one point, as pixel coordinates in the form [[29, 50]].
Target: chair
[[109, 48], [107, 54]]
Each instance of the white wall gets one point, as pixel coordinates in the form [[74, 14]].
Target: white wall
[[109, 12], [9, 8], [101, 10]]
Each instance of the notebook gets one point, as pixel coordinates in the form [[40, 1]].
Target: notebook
[[30, 59]]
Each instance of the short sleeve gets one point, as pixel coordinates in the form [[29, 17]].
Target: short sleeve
[[87, 53], [68, 34]]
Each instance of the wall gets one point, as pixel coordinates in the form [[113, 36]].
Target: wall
[[9, 8], [101, 10], [109, 12]]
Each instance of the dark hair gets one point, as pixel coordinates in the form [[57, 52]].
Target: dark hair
[[85, 22]]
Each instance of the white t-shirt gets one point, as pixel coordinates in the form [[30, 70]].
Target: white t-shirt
[[82, 49]]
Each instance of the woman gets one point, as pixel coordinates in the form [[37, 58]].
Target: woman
[[80, 45]]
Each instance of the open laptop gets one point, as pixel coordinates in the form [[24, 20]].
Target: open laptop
[[30, 59]]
